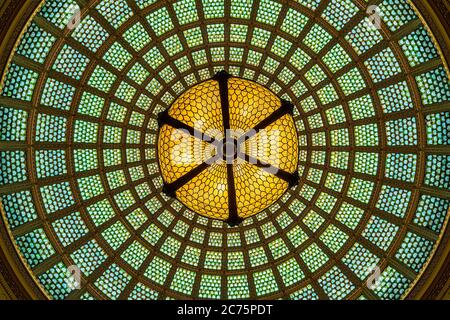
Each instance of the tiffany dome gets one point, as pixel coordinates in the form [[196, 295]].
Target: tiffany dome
[[248, 163], [95, 94]]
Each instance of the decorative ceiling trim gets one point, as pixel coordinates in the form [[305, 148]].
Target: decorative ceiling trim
[[18, 282], [434, 280]]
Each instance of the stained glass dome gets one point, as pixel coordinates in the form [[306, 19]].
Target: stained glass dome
[[84, 107], [228, 148]]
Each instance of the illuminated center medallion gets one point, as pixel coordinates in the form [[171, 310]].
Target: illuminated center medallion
[[228, 148]]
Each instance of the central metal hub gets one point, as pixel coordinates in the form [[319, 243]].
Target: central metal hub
[[229, 150]]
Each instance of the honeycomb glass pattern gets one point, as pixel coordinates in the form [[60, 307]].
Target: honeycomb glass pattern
[[82, 180], [259, 104], [199, 107], [181, 154]]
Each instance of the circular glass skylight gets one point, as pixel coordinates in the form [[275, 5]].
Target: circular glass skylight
[[228, 148], [80, 180]]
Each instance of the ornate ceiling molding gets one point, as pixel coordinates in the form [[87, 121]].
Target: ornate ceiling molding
[[434, 282]]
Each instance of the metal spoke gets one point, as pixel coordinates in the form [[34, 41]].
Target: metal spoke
[[233, 216], [170, 189], [286, 108], [165, 118], [291, 178]]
